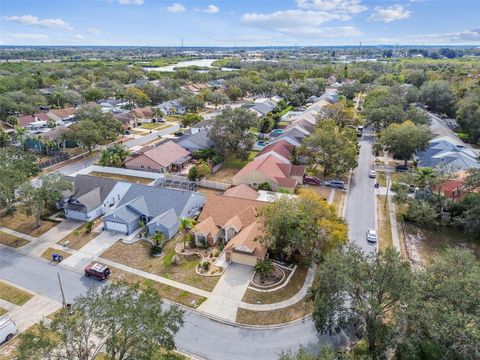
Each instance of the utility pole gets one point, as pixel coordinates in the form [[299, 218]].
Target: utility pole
[[388, 186], [64, 303]]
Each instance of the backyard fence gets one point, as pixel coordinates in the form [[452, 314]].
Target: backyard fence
[[213, 184]]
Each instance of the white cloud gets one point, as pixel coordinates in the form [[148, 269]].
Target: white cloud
[[77, 37], [389, 14], [464, 37], [176, 8], [212, 9], [35, 21], [35, 37], [130, 2], [94, 31], [344, 6]]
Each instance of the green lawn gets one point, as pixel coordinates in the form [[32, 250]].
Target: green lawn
[[13, 294]]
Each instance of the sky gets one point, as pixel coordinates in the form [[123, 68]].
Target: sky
[[239, 22]]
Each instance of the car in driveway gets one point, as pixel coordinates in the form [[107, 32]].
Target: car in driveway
[[371, 236], [97, 271], [372, 174], [312, 180], [337, 184], [401, 168], [8, 329]]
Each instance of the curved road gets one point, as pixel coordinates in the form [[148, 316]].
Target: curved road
[[200, 335]]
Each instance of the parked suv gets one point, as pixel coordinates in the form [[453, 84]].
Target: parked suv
[[97, 270], [8, 329], [312, 180]]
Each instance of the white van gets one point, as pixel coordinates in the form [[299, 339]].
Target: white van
[[8, 329]]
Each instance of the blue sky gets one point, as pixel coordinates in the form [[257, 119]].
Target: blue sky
[[240, 22]]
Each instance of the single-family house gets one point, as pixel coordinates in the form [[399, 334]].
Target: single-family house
[[237, 223], [158, 208], [196, 141], [127, 119], [281, 149], [166, 157], [294, 132], [63, 115], [241, 191], [271, 170], [29, 121], [262, 108], [143, 115], [171, 107], [203, 125]]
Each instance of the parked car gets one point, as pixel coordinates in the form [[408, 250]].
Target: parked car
[[97, 270], [372, 174], [401, 168], [8, 329], [312, 180], [371, 236], [337, 184]]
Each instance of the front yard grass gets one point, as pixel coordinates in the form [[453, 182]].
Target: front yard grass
[[13, 294], [75, 241], [2, 311], [48, 253], [137, 255], [132, 179], [338, 199], [26, 224], [383, 224], [381, 178], [165, 291], [285, 315], [12, 240], [322, 191], [155, 126], [294, 285]]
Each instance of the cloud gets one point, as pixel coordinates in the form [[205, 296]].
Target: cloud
[[293, 22], [29, 36], [343, 6], [94, 31], [35, 21], [176, 8], [77, 37], [130, 2], [211, 9], [453, 37], [389, 14]]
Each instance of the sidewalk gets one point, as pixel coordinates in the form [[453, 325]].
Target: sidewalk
[[33, 311]]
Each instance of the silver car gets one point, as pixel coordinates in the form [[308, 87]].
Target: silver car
[[371, 235], [372, 174]]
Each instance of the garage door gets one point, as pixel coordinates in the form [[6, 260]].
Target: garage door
[[243, 259], [115, 226]]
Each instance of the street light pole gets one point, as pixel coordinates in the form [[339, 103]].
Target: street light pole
[[64, 303], [388, 186]]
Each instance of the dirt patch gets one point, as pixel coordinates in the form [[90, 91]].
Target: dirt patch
[[26, 224], [132, 179], [225, 174], [290, 313], [294, 285], [208, 191], [165, 291], [275, 277], [137, 255], [12, 240]]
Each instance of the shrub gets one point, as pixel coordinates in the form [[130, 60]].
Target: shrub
[[265, 186], [155, 249], [205, 265]]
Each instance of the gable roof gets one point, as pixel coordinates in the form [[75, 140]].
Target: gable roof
[[64, 112], [142, 113], [90, 192], [282, 148], [242, 191], [26, 120], [244, 241], [164, 154], [199, 139]]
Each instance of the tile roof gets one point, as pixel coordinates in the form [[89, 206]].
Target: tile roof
[[282, 147], [26, 120], [165, 154], [242, 191], [245, 241], [206, 227]]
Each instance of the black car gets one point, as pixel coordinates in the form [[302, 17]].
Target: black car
[[401, 168]]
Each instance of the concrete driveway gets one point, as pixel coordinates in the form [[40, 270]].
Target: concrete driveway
[[227, 295]]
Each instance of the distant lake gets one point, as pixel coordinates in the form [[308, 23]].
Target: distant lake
[[182, 64]]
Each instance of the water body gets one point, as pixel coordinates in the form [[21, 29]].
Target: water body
[[182, 64]]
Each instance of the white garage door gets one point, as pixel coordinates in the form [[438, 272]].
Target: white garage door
[[243, 259], [115, 226]]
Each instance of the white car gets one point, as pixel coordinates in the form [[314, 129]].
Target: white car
[[371, 235], [8, 329], [372, 174]]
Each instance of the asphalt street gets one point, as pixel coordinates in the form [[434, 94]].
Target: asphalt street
[[360, 207], [200, 335]]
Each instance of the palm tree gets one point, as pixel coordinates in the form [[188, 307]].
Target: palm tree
[[424, 178], [156, 249], [265, 268], [185, 225], [158, 113]]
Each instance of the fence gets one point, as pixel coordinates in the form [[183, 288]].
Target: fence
[[213, 184], [59, 157]]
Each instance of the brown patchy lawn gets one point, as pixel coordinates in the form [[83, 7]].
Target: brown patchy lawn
[[12, 240], [289, 290], [13, 294], [132, 179], [165, 291], [384, 226], [225, 174], [322, 191], [76, 242], [2, 311], [26, 224], [290, 313], [48, 253], [208, 191], [137, 255], [338, 200]]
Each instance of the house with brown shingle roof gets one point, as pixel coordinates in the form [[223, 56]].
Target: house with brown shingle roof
[[142, 115], [26, 120], [64, 114], [235, 222], [241, 191], [272, 170], [282, 149], [166, 157]]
